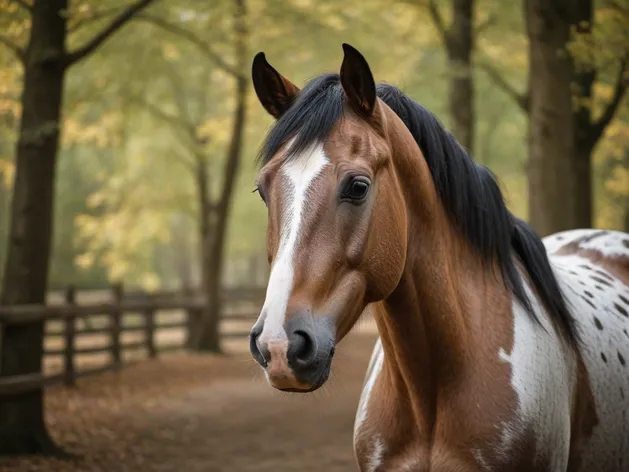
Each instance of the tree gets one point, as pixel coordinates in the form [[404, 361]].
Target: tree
[[205, 125], [562, 135], [45, 61], [594, 56], [552, 182], [563, 127], [213, 214], [458, 41]]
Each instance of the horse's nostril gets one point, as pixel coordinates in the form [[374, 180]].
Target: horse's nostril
[[254, 349], [301, 349]]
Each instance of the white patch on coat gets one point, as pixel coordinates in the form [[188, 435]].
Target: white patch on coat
[[507, 437], [375, 366], [544, 368], [600, 303], [298, 175], [608, 243], [543, 376], [557, 240], [377, 454], [480, 459], [376, 446]]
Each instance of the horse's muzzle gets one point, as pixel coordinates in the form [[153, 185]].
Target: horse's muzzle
[[298, 360]]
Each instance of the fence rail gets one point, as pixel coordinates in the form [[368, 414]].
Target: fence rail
[[135, 313]]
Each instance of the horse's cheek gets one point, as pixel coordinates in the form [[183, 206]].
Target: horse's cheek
[[387, 252]]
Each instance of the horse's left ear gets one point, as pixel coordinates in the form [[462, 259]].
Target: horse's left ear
[[357, 81], [275, 92]]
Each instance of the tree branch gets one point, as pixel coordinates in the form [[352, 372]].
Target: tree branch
[[101, 37], [622, 82], [99, 15], [438, 21], [484, 25], [188, 164], [172, 119], [203, 46], [23, 4], [521, 99], [179, 94], [17, 50]]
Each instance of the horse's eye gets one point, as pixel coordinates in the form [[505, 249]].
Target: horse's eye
[[359, 189], [258, 190], [356, 189]]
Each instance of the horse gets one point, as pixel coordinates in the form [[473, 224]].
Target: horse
[[497, 350]]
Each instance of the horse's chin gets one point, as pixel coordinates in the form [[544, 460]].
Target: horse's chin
[[323, 378], [302, 390], [299, 390]]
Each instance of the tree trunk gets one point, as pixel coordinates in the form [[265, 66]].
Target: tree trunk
[[460, 44], [182, 254], [209, 337], [3, 222], [583, 81], [22, 428], [202, 337], [552, 176], [583, 195]]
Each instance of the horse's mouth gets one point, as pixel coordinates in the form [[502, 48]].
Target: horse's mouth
[[321, 380]]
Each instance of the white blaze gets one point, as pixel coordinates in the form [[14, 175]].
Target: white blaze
[[298, 175]]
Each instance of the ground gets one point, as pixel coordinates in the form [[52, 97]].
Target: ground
[[205, 414]]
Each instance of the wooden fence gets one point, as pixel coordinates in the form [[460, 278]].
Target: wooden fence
[[70, 322]]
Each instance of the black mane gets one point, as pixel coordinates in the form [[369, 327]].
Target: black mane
[[469, 192]]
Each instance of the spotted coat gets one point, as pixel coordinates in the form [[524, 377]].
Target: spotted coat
[[592, 268]]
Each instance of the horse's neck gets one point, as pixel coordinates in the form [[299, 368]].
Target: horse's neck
[[432, 324], [427, 324]]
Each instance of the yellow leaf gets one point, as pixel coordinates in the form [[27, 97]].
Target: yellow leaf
[[95, 200], [7, 169], [619, 182], [149, 281], [84, 261], [170, 52]]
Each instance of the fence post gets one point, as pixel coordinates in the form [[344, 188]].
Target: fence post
[[69, 373], [116, 325], [192, 317], [149, 333]]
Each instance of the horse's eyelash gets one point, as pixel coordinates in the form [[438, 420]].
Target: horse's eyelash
[[259, 192]]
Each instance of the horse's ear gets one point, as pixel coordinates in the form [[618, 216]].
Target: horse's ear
[[275, 92], [357, 81]]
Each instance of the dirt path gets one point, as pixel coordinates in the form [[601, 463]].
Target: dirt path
[[205, 414]]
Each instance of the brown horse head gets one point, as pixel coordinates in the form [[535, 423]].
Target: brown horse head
[[336, 236], [370, 198]]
